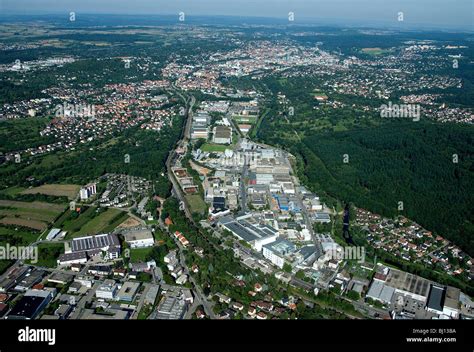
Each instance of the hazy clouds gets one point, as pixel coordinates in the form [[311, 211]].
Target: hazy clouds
[[447, 13]]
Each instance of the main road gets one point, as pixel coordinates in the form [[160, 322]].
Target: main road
[[182, 143]]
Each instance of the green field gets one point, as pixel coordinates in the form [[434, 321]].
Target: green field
[[72, 222], [251, 120], [56, 190], [12, 191], [48, 254], [209, 147], [196, 203], [90, 221], [139, 254], [19, 236], [98, 224]]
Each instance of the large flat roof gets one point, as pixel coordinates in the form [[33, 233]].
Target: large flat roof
[[72, 256], [378, 290], [138, 234], [247, 231], [281, 246], [128, 290], [436, 298], [408, 282], [27, 307], [94, 242]]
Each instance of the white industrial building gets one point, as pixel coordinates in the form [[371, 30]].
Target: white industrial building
[[108, 290], [277, 251], [107, 245], [257, 235], [139, 238], [222, 135], [72, 258]]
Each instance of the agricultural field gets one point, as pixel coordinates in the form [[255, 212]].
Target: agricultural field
[[35, 215], [43, 206], [57, 190], [29, 223]]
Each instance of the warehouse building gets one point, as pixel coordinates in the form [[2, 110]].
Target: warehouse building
[[107, 245], [139, 238], [277, 251], [378, 291], [128, 291], [257, 235], [222, 135], [108, 290], [31, 304]]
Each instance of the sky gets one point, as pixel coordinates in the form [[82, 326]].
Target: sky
[[434, 13]]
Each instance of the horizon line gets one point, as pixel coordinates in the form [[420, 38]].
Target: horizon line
[[303, 21]]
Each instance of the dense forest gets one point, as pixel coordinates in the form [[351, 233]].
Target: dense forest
[[400, 162]]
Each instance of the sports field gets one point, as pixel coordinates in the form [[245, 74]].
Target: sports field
[[216, 148]]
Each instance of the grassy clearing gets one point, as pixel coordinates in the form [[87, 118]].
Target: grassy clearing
[[104, 221], [116, 221], [196, 203], [20, 236], [12, 191], [48, 254], [72, 221], [139, 254]]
